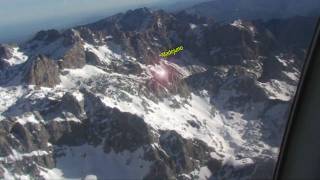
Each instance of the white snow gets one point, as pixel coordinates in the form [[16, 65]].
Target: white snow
[[278, 89], [91, 162], [252, 29], [192, 26], [86, 72], [238, 24], [204, 173], [104, 53], [224, 130], [282, 61], [6, 174], [91, 177], [48, 174], [295, 76], [9, 96], [16, 156], [201, 174], [78, 95], [109, 37], [27, 118], [159, 23], [74, 75], [238, 162], [162, 116], [183, 71], [238, 127], [67, 117], [18, 57]]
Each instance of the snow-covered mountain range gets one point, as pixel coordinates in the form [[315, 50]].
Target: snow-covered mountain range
[[97, 101]]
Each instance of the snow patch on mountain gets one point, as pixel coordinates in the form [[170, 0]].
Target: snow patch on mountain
[[73, 76], [49, 173], [9, 96], [277, 89], [67, 117], [80, 161], [295, 76], [238, 23], [27, 118], [164, 116], [104, 53], [282, 61], [201, 174], [16, 156], [192, 26], [18, 57]]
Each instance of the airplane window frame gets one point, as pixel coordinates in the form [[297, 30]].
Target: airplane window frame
[[283, 169]]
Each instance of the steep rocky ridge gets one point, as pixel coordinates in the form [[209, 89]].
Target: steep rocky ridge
[[99, 95]]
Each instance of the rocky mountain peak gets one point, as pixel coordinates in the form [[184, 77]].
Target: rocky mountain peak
[[42, 71], [140, 20], [5, 52], [71, 36], [47, 36], [215, 107]]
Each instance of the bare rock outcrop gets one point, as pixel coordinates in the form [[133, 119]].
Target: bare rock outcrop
[[5, 52], [42, 71]]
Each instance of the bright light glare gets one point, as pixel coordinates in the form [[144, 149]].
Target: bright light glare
[[161, 72]]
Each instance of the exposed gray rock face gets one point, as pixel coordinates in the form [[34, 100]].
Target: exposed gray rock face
[[176, 156], [172, 83], [70, 104], [119, 131], [74, 58], [115, 130], [24, 139], [66, 133], [233, 69], [3, 64], [127, 132], [94, 107], [70, 37], [47, 36], [65, 47], [124, 131], [32, 137], [5, 52], [88, 35], [136, 37], [180, 150], [127, 68], [92, 59], [67, 107], [42, 71]]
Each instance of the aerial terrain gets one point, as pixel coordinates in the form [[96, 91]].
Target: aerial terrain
[[96, 101]]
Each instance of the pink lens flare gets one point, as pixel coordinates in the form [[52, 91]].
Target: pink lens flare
[[160, 73]]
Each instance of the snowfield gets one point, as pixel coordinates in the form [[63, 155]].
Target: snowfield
[[197, 116]]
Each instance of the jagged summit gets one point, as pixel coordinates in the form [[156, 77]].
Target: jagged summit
[[97, 100], [42, 71], [5, 52]]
